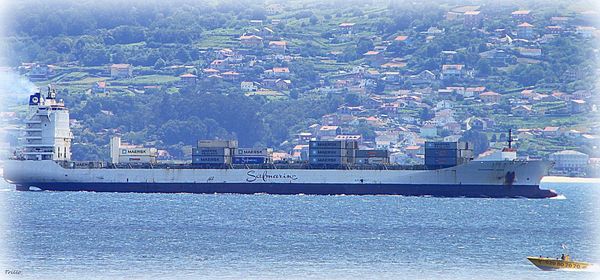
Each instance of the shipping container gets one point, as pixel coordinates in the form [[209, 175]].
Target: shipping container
[[361, 160], [138, 159], [87, 164], [338, 144], [253, 152], [250, 160], [331, 160], [371, 153], [325, 144], [137, 151], [331, 152], [441, 145], [379, 160], [348, 144], [441, 153], [217, 143], [210, 160], [448, 145], [372, 160], [211, 151]]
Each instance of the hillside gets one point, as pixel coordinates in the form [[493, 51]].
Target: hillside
[[262, 72]]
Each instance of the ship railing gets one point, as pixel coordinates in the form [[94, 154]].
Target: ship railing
[[108, 165]]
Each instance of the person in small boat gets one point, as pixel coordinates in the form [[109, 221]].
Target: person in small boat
[[562, 257]]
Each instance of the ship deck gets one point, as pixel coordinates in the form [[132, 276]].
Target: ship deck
[[105, 165]]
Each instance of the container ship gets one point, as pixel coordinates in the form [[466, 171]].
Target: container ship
[[332, 168]]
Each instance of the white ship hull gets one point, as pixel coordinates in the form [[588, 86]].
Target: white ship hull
[[474, 179]]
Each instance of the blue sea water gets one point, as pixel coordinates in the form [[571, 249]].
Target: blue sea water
[[76, 235]]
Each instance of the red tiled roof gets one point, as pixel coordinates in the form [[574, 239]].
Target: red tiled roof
[[401, 38], [525, 24], [247, 37]]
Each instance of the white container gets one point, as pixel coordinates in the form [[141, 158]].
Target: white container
[[137, 151], [217, 143]]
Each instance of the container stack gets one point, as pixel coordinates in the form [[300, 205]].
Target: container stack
[[252, 156], [213, 152], [372, 157], [332, 152], [447, 154]]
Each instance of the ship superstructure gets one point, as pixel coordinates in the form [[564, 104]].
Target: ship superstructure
[[47, 132], [334, 167]]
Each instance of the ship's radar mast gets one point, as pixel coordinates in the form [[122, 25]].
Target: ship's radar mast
[[51, 93], [509, 152]]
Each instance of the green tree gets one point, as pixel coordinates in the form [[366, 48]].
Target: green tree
[[61, 44], [349, 54], [95, 57], [367, 132], [426, 114], [352, 99], [304, 73], [125, 34], [379, 87], [182, 55], [363, 45], [483, 68]]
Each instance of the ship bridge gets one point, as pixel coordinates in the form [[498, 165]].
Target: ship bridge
[[47, 132]]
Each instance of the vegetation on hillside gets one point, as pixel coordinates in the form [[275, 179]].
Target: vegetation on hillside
[[85, 36]]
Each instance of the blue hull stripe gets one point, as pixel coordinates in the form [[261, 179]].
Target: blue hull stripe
[[527, 191]]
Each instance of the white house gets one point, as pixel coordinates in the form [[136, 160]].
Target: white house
[[570, 160], [428, 131], [249, 86]]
